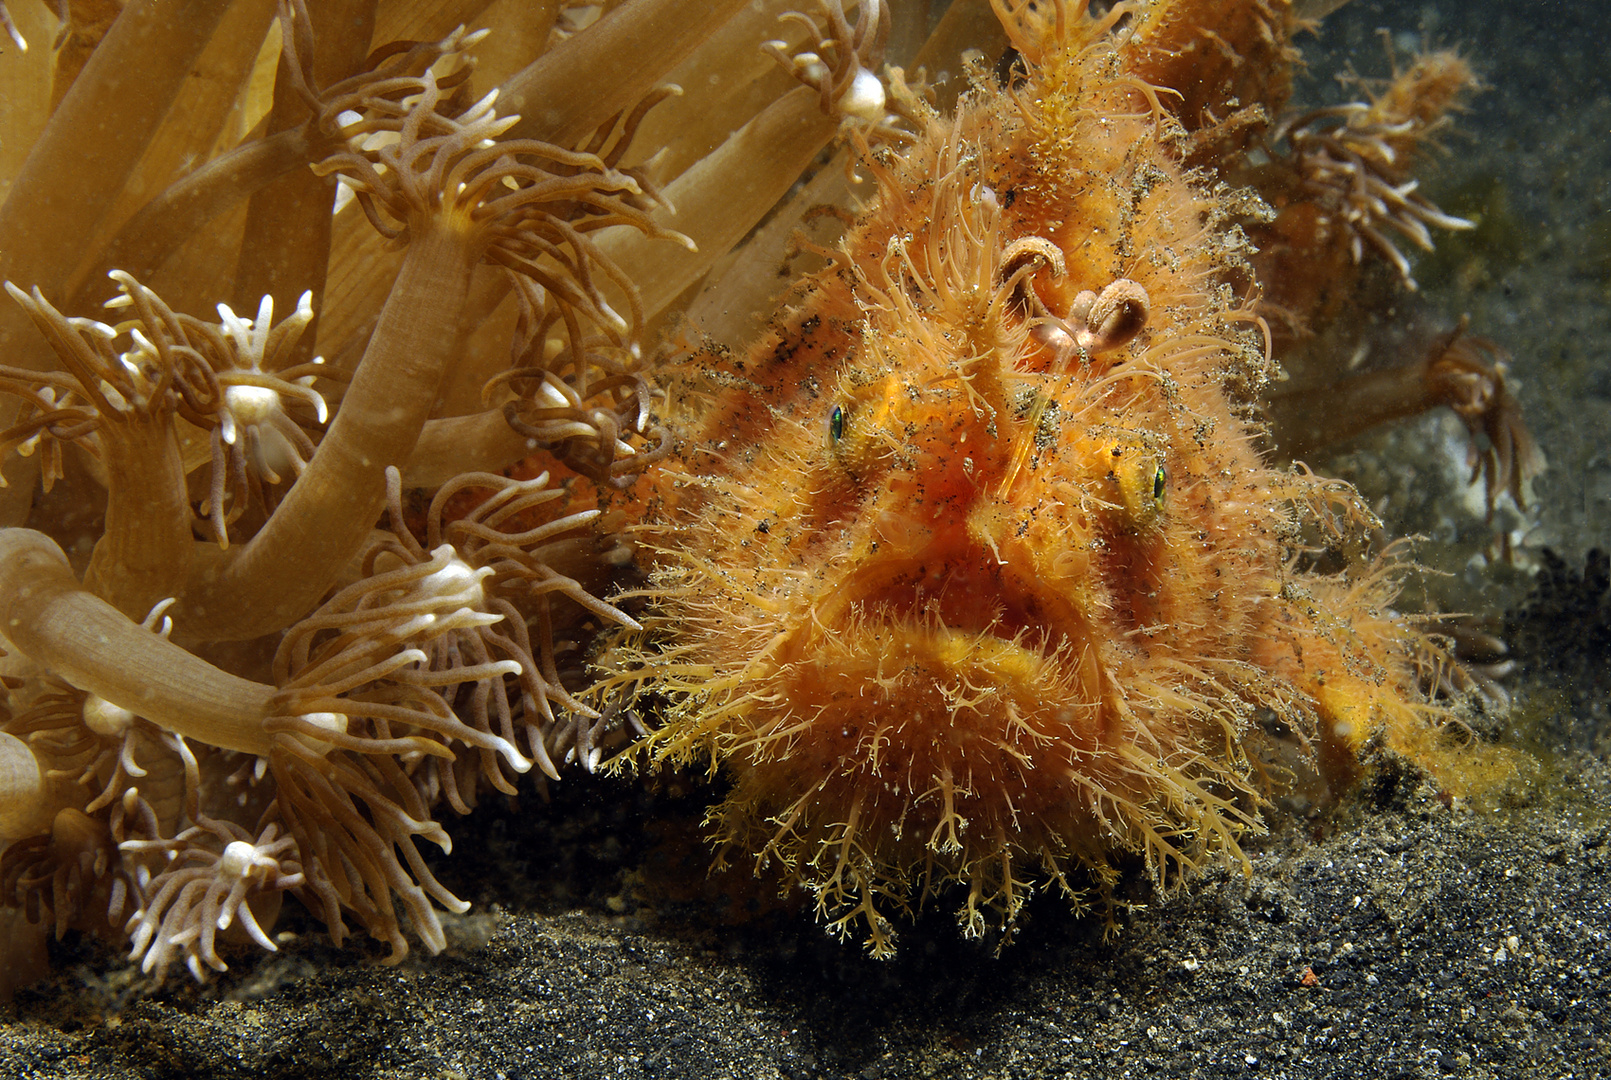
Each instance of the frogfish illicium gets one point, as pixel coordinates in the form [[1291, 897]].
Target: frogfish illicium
[[971, 576]]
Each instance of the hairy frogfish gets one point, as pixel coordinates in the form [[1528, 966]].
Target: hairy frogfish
[[970, 576]]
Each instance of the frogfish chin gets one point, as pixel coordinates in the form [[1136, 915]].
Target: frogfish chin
[[970, 576]]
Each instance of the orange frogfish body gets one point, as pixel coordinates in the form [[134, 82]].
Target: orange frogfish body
[[971, 575]]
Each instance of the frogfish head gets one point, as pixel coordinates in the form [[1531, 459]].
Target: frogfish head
[[974, 584]]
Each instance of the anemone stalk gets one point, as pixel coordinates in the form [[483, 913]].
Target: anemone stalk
[[327, 514], [46, 613]]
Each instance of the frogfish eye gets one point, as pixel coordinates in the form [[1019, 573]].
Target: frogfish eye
[[836, 424], [1140, 481]]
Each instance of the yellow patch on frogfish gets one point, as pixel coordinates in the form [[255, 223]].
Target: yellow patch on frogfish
[[971, 572]]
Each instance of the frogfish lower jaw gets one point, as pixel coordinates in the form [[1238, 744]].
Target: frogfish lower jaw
[[950, 644]]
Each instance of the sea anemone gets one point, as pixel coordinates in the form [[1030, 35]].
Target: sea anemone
[[203, 890], [1357, 160]]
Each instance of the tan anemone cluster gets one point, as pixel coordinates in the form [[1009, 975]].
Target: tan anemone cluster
[[1356, 160], [327, 325]]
